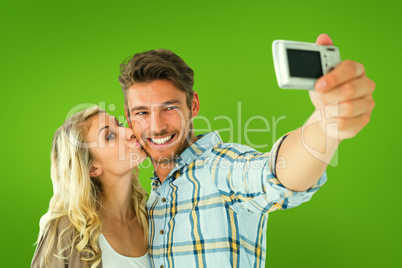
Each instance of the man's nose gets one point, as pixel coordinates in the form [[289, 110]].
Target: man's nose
[[158, 123]]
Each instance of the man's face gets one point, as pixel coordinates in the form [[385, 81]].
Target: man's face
[[161, 119]]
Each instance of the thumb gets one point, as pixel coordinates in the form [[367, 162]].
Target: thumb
[[324, 40]]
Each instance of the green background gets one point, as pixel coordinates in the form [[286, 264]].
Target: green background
[[57, 55]]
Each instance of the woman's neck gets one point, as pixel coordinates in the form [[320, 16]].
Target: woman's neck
[[116, 198]]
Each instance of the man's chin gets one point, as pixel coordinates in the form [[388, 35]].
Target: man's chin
[[166, 155], [162, 159]]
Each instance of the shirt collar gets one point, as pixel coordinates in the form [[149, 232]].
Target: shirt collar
[[205, 142]]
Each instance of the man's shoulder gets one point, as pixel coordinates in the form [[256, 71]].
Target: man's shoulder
[[213, 142], [210, 147], [234, 150]]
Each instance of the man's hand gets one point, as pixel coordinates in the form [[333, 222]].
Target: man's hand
[[343, 96]]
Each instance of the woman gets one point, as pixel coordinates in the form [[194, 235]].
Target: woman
[[97, 215]]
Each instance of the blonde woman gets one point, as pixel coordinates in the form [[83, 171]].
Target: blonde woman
[[97, 215]]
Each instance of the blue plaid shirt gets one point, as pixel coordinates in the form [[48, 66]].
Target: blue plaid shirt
[[211, 210]]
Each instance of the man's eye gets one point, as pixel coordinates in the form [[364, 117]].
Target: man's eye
[[110, 136], [141, 113], [171, 108]]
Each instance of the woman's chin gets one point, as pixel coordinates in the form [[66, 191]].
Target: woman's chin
[[136, 158]]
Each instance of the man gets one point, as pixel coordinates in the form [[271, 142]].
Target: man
[[209, 201]]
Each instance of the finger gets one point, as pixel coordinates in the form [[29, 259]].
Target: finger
[[324, 40], [349, 127], [345, 128], [353, 89], [350, 109], [344, 72]]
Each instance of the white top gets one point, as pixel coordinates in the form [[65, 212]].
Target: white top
[[112, 259]]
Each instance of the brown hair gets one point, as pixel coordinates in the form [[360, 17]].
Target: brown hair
[[157, 64]]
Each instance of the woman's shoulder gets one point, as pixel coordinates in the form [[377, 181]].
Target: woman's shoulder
[[56, 227], [56, 238], [48, 222], [63, 224]]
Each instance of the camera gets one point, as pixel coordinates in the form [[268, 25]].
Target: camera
[[299, 64]]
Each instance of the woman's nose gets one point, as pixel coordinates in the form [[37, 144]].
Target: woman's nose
[[129, 134]]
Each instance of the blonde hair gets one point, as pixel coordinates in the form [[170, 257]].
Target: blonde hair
[[77, 196]]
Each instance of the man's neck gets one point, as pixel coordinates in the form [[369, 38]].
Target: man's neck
[[163, 169]]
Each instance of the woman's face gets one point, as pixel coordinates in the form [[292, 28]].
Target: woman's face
[[114, 147]]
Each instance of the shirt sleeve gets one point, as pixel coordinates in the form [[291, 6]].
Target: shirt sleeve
[[253, 185]]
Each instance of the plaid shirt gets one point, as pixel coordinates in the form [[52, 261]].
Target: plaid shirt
[[211, 210]]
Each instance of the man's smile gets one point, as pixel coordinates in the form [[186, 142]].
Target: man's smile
[[161, 141]]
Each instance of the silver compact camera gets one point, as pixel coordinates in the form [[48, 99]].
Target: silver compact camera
[[299, 64]]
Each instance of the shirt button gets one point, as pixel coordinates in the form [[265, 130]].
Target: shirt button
[[162, 266], [163, 199], [162, 232]]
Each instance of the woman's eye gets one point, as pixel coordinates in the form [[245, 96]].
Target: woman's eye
[[110, 136], [121, 125]]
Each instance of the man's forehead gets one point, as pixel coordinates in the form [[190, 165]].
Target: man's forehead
[[155, 93]]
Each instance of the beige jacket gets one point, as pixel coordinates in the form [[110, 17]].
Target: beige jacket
[[74, 261]]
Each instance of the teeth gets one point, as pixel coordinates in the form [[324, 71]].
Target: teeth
[[162, 140]]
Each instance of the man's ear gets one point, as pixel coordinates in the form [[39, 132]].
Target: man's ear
[[95, 172], [127, 116], [195, 105]]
